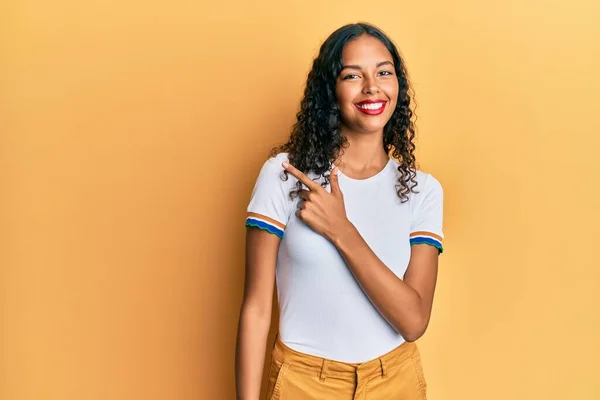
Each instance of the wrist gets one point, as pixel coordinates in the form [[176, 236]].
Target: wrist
[[343, 234]]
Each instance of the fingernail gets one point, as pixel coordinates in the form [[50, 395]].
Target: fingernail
[[285, 165]]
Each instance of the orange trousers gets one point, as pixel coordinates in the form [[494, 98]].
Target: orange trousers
[[298, 376]]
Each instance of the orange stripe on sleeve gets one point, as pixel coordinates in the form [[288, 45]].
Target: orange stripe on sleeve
[[424, 233], [270, 220]]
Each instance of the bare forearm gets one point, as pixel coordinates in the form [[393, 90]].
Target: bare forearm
[[397, 301], [250, 352]]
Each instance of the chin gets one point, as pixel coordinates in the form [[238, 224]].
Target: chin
[[372, 128], [367, 131]]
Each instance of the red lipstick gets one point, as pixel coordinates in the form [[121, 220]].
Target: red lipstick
[[371, 107]]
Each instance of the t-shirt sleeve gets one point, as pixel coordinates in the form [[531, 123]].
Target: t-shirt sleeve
[[426, 227], [269, 204]]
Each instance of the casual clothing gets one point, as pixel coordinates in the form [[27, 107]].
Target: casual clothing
[[298, 376], [323, 310]]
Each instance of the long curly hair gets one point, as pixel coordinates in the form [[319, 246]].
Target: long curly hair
[[316, 139]]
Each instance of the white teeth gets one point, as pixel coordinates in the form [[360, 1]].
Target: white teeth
[[371, 106]]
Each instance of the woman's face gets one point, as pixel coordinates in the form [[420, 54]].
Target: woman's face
[[367, 87]]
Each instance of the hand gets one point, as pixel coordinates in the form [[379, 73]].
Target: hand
[[323, 212]]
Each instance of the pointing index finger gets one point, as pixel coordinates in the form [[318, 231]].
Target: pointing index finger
[[301, 176]]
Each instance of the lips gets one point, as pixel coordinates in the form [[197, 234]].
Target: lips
[[371, 107]]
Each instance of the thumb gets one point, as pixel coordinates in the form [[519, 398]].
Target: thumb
[[335, 182]]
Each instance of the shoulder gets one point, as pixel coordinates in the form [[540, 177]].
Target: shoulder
[[269, 204], [272, 169], [428, 194], [272, 173], [426, 182], [272, 166], [280, 157], [274, 163]]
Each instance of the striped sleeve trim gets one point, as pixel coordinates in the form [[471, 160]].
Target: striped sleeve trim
[[422, 237], [265, 223]]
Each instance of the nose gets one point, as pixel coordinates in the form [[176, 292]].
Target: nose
[[370, 86]]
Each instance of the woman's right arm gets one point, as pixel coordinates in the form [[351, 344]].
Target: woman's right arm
[[255, 313]]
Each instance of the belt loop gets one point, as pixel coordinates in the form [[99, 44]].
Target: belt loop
[[323, 370], [383, 368]]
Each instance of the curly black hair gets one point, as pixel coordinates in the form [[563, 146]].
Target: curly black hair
[[316, 139]]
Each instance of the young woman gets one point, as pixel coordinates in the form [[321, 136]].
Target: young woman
[[350, 230]]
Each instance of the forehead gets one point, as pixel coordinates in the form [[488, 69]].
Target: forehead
[[365, 49]]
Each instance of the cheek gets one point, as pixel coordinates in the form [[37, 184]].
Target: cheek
[[391, 89], [346, 113], [345, 98], [346, 94]]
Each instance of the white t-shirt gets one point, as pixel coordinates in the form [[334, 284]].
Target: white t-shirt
[[323, 310]]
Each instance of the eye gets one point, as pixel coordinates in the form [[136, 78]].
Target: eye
[[385, 73], [350, 76]]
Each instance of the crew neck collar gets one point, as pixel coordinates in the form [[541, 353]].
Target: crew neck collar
[[370, 179]]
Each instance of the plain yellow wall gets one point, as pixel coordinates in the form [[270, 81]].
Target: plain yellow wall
[[131, 136]]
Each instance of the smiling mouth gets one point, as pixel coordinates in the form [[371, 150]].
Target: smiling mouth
[[371, 107]]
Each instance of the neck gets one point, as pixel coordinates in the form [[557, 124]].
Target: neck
[[364, 152]]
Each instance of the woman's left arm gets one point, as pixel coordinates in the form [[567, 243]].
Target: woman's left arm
[[405, 304]]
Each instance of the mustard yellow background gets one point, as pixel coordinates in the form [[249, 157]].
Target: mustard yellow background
[[131, 136]]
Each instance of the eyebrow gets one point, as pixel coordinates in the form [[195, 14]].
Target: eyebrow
[[379, 64]]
